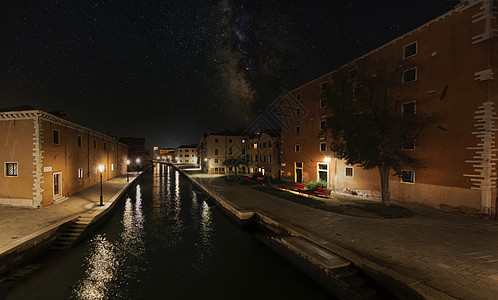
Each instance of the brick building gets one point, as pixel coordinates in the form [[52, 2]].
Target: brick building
[[450, 66], [46, 158]]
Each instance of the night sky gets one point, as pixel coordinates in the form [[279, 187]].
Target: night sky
[[170, 70]]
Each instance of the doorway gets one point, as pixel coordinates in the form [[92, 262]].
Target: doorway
[[57, 184], [299, 172]]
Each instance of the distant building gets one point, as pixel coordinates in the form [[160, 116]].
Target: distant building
[[220, 153], [263, 153], [138, 154], [46, 159], [187, 154], [450, 68]]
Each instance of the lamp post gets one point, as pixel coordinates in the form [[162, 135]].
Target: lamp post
[[127, 171], [101, 169]]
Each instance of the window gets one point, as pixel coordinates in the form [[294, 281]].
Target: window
[[408, 176], [105, 146], [79, 141], [298, 129], [349, 171], [243, 168], [181, 155], [408, 108], [410, 75], [352, 74], [409, 144], [269, 158], [230, 150], [323, 102], [216, 140], [215, 151], [269, 144], [264, 158], [298, 96], [323, 172], [181, 150], [324, 86], [215, 160], [297, 148], [298, 111], [216, 169], [112, 167], [243, 150], [323, 124], [255, 145], [230, 141], [264, 145], [410, 50], [94, 144], [80, 173], [323, 147], [186, 155], [55, 134], [11, 169], [223, 169], [230, 169]]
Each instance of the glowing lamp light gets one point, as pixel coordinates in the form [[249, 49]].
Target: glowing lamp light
[[205, 159], [127, 161], [138, 160], [101, 168], [326, 159], [158, 157]]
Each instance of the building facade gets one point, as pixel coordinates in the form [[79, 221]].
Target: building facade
[[45, 158], [220, 152], [187, 154], [263, 153], [449, 70]]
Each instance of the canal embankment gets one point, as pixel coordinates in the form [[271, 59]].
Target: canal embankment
[[26, 233], [303, 236]]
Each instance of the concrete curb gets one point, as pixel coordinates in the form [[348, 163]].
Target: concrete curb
[[399, 284], [30, 246]]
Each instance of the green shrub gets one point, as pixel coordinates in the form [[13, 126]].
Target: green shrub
[[314, 185]]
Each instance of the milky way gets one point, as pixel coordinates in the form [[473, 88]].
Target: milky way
[[170, 70]]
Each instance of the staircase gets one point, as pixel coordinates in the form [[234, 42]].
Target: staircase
[[59, 199], [73, 233]]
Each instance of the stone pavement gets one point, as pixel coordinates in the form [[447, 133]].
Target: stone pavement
[[454, 254], [17, 223]]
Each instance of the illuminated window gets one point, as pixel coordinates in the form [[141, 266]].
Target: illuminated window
[[410, 50], [80, 173], [112, 167], [11, 169]]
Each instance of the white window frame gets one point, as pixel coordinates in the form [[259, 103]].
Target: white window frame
[[414, 108], [404, 50], [416, 75], [5, 169], [80, 173], [408, 182], [346, 172], [318, 171], [320, 147]]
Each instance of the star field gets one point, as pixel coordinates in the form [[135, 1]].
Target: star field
[[170, 70]]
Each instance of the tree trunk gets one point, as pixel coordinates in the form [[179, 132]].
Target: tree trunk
[[384, 182]]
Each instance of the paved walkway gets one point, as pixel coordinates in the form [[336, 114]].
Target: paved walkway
[[16, 223], [455, 254]]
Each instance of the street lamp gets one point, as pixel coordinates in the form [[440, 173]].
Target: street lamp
[[138, 160], [101, 169], [127, 167]]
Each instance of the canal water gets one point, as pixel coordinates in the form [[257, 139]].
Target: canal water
[[167, 242]]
